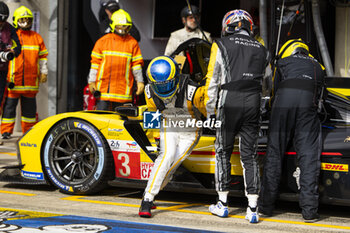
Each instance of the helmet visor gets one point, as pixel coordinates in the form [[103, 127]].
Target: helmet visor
[[164, 88], [300, 50]]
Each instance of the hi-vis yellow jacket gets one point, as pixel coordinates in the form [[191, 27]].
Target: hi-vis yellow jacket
[[24, 70], [115, 58]]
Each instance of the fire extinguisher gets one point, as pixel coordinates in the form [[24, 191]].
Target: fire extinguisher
[[89, 99]]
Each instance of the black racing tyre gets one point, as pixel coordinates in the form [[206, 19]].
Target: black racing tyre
[[77, 158]]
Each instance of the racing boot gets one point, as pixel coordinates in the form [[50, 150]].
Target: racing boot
[[6, 135], [220, 209], [153, 206], [252, 215], [311, 219], [145, 209], [252, 211]]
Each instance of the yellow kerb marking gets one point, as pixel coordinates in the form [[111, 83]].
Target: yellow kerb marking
[[77, 198], [18, 193], [177, 209]]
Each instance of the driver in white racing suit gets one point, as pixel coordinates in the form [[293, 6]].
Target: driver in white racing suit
[[179, 100]]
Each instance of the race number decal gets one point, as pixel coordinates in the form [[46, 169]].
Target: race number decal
[[127, 164]]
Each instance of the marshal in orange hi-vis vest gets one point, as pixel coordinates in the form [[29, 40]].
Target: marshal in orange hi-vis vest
[[24, 74], [24, 70], [115, 57]]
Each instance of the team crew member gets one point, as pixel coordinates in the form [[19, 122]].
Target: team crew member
[[108, 7], [116, 61], [190, 19], [25, 73], [163, 94], [297, 80], [236, 67]]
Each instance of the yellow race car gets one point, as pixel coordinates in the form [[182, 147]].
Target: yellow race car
[[82, 152]]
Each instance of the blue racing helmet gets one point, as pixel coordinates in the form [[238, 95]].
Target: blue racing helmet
[[163, 76]]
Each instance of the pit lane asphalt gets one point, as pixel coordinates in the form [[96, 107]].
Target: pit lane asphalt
[[173, 209]]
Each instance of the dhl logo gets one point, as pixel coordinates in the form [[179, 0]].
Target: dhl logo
[[335, 167]]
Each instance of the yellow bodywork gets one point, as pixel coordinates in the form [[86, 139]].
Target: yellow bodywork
[[202, 159], [342, 92]]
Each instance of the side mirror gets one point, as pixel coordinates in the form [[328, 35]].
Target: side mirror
[[127, 111]]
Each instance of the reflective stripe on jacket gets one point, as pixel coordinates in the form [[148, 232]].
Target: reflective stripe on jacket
[[115, 57], [24, 70]]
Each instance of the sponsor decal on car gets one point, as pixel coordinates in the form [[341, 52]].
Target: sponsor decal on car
[[89, 130], [146, 169], [115, 132], [28, 144], [335, 167], [33, 175], [114, 144], [123, 145], [132, 144]]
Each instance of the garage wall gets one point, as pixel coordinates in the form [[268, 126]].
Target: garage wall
[[141, 12], [342, 42], [150, 48]]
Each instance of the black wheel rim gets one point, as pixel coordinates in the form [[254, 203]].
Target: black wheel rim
[[74, 157]]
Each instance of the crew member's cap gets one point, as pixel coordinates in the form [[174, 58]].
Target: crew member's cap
[[108, 4]]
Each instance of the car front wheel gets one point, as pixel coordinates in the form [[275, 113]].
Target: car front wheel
[[77, 158]]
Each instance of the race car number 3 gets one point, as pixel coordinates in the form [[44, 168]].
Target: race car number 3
[[127, 164]]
